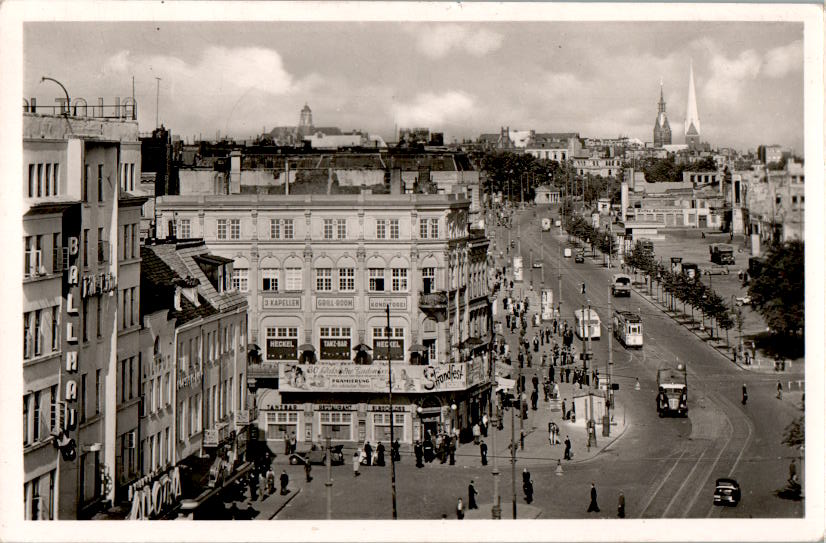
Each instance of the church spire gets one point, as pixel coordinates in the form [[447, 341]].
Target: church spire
[[692, 118], [662, 130], [662, 99]]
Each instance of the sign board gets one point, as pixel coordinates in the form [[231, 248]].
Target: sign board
[[380, 304], [282, 348], [547, 303], [211, 438], [334, 303], [151, 499], [396, 348], [517, 268], [349, 377], [335, 349], [242, 417], [293, 302]]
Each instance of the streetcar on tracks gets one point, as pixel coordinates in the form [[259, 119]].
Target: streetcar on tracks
[[628, 329]]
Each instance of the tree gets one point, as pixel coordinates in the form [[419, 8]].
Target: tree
[[778, 292]]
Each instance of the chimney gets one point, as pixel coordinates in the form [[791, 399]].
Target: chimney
[[396, 181]]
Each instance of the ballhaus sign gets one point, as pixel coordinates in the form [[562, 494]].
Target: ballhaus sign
[[151, 499]]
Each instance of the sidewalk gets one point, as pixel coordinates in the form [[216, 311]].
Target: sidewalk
[[760, 364]]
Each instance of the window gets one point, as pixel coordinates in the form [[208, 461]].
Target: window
[[37, 415], [423, 228], [328, 228], [28, 256], [434, 228], [101, 251], [399, 280], [394, 228], [39, 180], [135, 240], [57, 254], [98, 392], [222, 229], [100, 182], [26, 429], [341, 229], [47, 180], [381, 229], [339, 425], [430, 349], [288, 228], [269, 279], [381, 425], [55, 328], [293, 279], [376, 279], [98, 303], [86, 183], [124, 252], [131, 177], [31, 181], [84, 319], [281, 424], [428, 279], [28, 336], [346, 279], [240, 279], [235, 229], [85, 247], [184, 229], [324, 279], [275, 228], [82, 399]]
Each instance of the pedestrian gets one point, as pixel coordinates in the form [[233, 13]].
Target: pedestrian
[[564, 412], [307, 469], [292, 443], [546, 389], [621, 505], [551, 434], [452, 449], [380, 453], [534, 399], [356, 463], [368, 452], [535, 381], [460, 509], [395, 450], [593, 507], [253, 484], [477, 433], [419, 452], [779, 390], [552, 373], [485, 421], [286, 445], [285, 481], [270, 481], [483, 451], [567, 375], [568, 448], [527, 485], [556, 326], [745, 394], [471, 496]]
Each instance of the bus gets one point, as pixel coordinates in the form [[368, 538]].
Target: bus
[[628, 328], [587, 324]]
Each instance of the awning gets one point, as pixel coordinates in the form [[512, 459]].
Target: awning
[[362, 347], [417, 348], [505, 384], [306, 347]]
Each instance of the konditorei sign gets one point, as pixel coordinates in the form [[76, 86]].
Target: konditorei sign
[[381, 303]]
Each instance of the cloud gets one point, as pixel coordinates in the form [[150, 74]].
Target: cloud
[[433, 110], [783, 60], [439, 40]]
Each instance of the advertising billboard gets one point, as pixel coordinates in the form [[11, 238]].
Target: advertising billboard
[[517, 268], [348, 377]]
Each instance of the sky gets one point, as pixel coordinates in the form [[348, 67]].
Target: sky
[[601, 79]]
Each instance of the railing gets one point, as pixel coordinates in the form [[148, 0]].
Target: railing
[[437, 299], [126, 110]]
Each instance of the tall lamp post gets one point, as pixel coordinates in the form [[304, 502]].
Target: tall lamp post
[[390, 395]]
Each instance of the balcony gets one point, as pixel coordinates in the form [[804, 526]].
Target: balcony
[[433, 302]]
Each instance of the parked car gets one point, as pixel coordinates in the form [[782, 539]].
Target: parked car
[[743, 300], [537, 264], [726, 492], [579, 258], [317, 455]]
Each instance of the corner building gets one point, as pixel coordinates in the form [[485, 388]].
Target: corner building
[[319, 272]]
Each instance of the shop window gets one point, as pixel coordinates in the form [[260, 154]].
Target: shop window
[[281, 424]]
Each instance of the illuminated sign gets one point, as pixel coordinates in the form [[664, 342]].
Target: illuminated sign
[[335, 349], [150, 499], [282, 348]]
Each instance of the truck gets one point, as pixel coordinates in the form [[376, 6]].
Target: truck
[[690, 270], [721, 253], [621, 284], [672, 391]]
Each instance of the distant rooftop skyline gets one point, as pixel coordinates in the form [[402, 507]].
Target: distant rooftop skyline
[[600, 79]]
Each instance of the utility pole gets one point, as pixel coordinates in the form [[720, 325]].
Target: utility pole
[[559, 283], [513, 452], [609, 394], [530, 252], [329, 483], [390, 390], [521, 390], [157, 99], [496, 510]]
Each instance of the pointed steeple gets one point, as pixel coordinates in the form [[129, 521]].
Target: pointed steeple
[[662, 99], [662, 130], [692, 118]]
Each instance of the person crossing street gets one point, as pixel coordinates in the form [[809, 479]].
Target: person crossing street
[[483, 451], [593, 507], [471, 496]]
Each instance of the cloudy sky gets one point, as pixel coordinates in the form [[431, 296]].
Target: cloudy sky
[[599, 79]]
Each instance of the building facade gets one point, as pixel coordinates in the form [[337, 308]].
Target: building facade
[[320, 273], [76, 225]]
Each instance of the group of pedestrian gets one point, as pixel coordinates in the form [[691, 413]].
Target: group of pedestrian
[[366, 456], [442, 448]]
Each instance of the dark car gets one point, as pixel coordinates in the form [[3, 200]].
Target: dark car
[[726, 492], [317, 455], [579, 258]]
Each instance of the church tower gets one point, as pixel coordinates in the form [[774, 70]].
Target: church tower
[[662, 130], [305, 122], [692, 118]]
